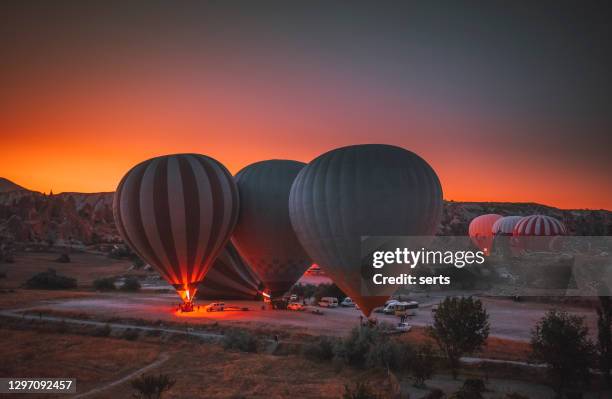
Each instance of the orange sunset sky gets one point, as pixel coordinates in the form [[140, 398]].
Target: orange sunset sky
[[89, 91]]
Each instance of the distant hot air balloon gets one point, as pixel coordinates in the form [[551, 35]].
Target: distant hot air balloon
[[230, 278], [536, 232], [177, 213], [505, 225], [480, 231], [263, 234], [361, 190]]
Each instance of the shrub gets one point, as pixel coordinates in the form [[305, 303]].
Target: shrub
[[63, 258], [423, 364], [322, 349], [353, 350], [2, 275], [472, 388], [103, 331], [131, 334], [515, 395], [561, 341], [384, 353], [461, 325], [131, 284], [104, 284], [50, 280], [435, 393], [361, 390], [152, 386], [240, 340]]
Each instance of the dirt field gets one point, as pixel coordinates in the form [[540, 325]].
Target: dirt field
[[84, 267]]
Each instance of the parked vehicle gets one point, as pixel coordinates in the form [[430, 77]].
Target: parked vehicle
[[328, 302], [215, 307], [295, 306], [401, 308], [403, 327], [347, 303]]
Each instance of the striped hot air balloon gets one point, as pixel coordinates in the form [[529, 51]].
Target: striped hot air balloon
[[177, 213], [230, 278], [480, 231], [539, 225], [505, 225], [536, 232]]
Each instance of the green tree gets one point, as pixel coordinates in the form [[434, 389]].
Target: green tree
[[560, 340], [461, 326]]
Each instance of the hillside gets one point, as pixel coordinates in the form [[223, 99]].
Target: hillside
[[87, 219], [7, 186]]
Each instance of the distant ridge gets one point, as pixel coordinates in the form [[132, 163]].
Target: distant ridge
[[6, 185]]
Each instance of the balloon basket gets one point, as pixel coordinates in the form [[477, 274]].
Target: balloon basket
[[186, 307]]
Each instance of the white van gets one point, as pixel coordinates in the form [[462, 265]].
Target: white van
[[402, 308], [328, 302]]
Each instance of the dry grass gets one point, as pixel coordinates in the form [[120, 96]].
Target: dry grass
[[17, 298], [201, 370], [92, 361], [83, 266], [496, 348]]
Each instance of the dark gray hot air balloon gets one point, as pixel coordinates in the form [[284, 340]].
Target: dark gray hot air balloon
[[177, 213], [263, 234], [230, 278], [361, 190]]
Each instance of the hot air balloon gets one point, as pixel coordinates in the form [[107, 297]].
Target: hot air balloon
[[480, 231], [502, 233], [361, 190], [263, 234], [505, 225], [177, 213], [536, 232], [230, 278]]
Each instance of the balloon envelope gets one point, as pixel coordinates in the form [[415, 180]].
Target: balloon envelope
[[536, 232], [505, 225], [230, 278], [263, 234], [177, 212], [362, 190], [481, 231]]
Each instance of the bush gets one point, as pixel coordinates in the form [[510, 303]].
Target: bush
[[240, 340], [461, 325], [131, 284], [354, 349], [2, 275], [103, 331], [423, 364], [50, 280], [435, 393], [104, 284], [321, 350], [152, 387], [472, 388], [361, 391], [131, 334], [515, 395], [561, 341]]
